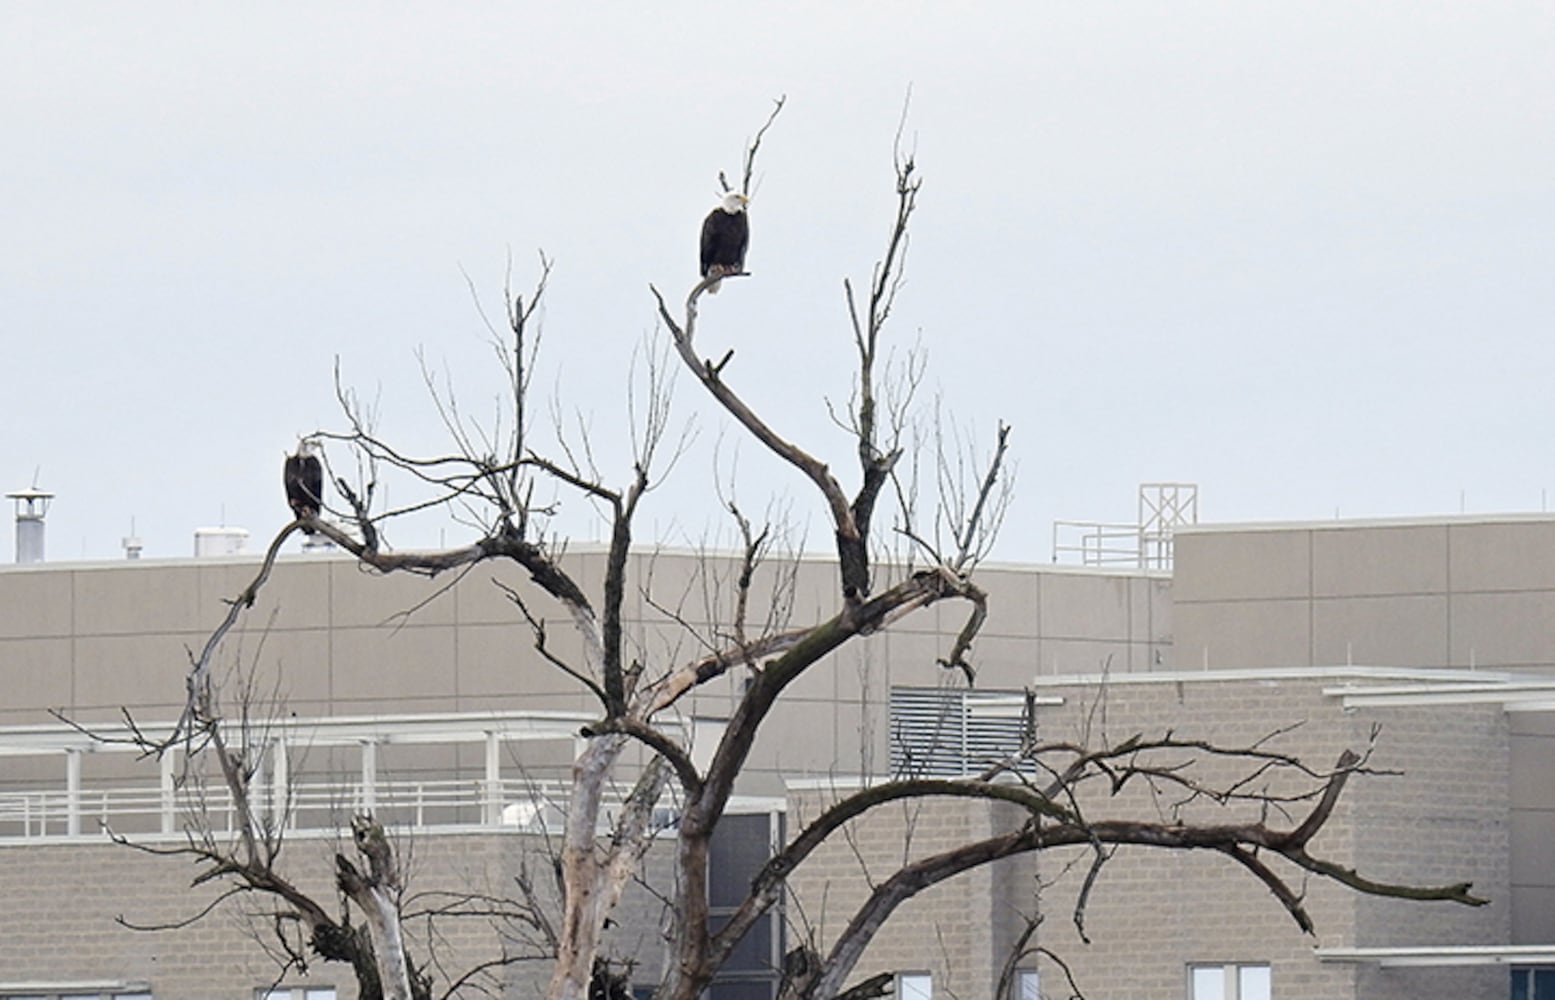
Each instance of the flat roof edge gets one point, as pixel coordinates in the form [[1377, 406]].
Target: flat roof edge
[[1340, 524], [1422, 956], [1243, 675]]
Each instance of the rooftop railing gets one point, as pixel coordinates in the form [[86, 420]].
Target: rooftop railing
[[534, 807], [152, 796]]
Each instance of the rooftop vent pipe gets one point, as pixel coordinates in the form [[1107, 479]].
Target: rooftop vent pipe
[[32, 505]]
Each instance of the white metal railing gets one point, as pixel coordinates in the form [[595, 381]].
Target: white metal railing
[[142, 809], [1145, 544], [1104, 543], [60, 797], [1097, 543]]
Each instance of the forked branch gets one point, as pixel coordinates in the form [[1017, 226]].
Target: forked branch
[[1240, 842]]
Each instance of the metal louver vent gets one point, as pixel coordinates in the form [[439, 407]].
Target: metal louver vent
[[936, 732]]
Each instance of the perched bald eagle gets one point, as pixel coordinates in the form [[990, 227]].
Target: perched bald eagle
[[304, 479], [725, 235]]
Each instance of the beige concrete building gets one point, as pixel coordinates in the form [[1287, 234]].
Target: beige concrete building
[[427, 703]]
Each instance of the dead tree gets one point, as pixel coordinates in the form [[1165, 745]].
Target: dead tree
[[493, 478]]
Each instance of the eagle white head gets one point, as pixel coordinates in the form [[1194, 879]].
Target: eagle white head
[[307, 447], [734, 202]]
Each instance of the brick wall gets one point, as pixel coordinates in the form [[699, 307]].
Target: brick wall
[[1442, 820], [62, 900], [944, 930], [1152, 913]]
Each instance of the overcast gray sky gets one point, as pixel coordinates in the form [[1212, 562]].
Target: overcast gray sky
[[1300, 254]]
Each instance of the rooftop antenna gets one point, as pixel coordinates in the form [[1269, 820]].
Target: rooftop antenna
[[131, 542]]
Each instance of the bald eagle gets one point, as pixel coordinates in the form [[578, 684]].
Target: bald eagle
[[725, 235], [304, 479]]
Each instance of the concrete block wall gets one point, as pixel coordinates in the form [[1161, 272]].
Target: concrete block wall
[[59, 922], [943, 931], [326, 638], [1428, 592], [1438, 592], [63, 900], [1460, 592], [1152, 914], [1443, 817], [1533, 827]]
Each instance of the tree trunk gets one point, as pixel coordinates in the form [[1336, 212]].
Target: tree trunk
[[584, 894], [383, 924], [376, 893]]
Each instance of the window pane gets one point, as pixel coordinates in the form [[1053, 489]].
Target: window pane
[[1520, 979], [319, 993], [1208, 983], [915, 986], [747, 990], [1543, 984], [741, 845], [1253, 982], [752, 956], [1026, 985]]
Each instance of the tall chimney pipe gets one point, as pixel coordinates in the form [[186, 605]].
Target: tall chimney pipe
[[32, 505]]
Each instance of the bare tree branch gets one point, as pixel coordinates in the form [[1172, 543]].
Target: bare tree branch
[[1082, 794]]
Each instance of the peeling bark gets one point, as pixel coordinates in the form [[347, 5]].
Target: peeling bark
[[376, 893]]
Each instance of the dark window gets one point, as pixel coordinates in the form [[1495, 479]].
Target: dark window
[[742, 843], [1533, 983], [747, 990]]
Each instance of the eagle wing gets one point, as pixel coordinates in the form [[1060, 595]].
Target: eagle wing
[[710, 239], [725, 236], [303, 476]]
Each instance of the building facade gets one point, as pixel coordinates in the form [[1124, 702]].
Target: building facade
[[427, 703]]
